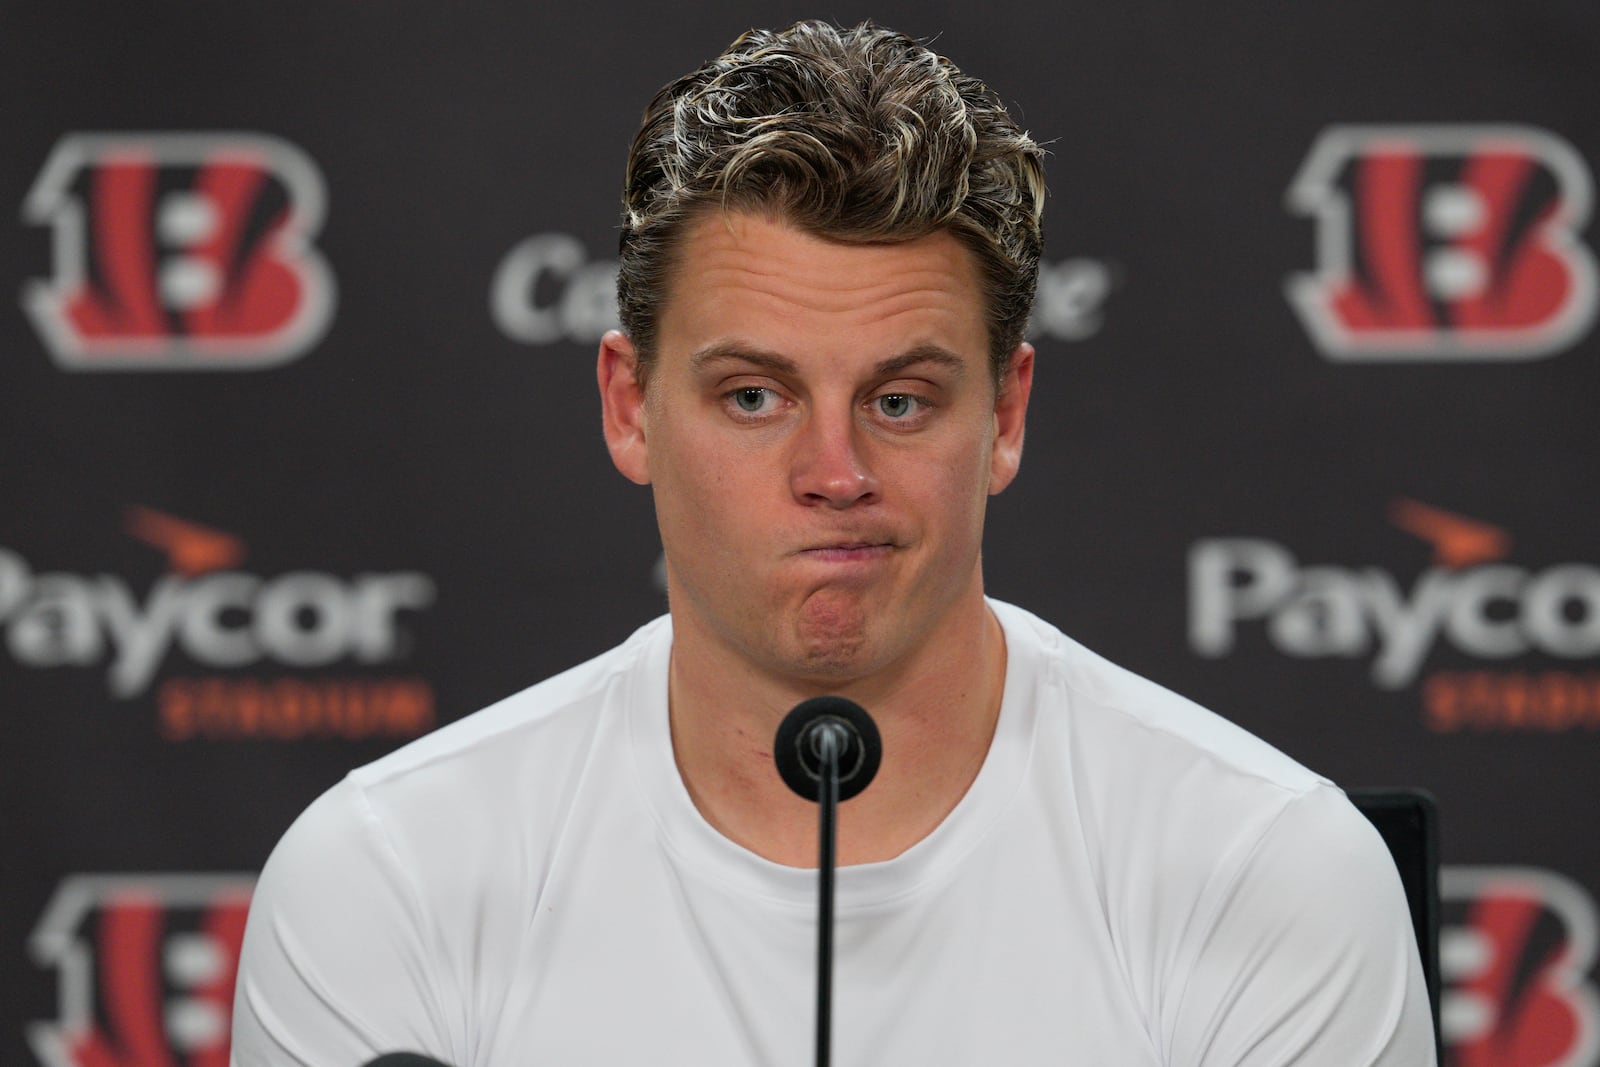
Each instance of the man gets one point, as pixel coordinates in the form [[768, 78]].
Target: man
[[830, 246]]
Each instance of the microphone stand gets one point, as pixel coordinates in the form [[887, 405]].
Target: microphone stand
[[813, 741], [830, 741]]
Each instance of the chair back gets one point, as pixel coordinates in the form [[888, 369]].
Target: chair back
[[1408, 821]]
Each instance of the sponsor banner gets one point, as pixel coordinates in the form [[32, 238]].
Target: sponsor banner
[[1528, 635], [145, 966], [1451, 242], [549, 289], [275, 656], [1517, 955], [179, 252]]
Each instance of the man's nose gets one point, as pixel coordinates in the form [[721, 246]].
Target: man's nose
[[828, 466]]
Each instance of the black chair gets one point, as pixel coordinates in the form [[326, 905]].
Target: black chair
[[1408, 820]]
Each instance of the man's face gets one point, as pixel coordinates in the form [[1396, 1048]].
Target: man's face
[[822, 432]]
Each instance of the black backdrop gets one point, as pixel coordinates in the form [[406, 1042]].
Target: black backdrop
[[301, 452]]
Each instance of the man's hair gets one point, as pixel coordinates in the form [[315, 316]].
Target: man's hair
[[855, 135]]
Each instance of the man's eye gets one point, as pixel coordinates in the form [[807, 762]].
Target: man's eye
[[896, 405], [751, 400]]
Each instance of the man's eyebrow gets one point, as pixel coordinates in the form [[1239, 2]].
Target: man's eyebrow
[[732, 352], [912, 357]]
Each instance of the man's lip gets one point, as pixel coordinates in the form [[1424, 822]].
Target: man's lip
[[845, 550], [848, 541]]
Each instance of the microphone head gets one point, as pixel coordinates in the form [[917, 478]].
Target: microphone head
[[797, 752], [404, 1059]]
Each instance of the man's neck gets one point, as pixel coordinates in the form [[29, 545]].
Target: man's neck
[[936, 712]]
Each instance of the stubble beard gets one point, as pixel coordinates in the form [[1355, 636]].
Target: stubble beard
[[831, 633], [823, 643]]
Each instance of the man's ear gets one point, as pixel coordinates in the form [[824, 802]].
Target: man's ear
[[622, 406], [1010, 417]]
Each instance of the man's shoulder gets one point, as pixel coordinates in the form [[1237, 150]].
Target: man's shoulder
[[1117, 723], [535, 717], [1164, 792], [525, 754], [1188, 821], [435, 810]]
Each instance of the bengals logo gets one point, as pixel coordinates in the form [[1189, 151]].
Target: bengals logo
[[1516, 949], [179, 251], [145, 967], [1444, 243]]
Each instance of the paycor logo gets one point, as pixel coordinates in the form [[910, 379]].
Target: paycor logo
[[1471, 602], [223, 618], [549, 290]]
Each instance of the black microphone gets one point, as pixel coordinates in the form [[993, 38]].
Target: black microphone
[[827, 749], [404, 1059], [798, 747]]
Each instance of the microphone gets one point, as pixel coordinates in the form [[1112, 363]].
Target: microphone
[[827, 749], [798, 747], [404, 1059]]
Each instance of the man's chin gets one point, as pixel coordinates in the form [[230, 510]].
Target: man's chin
[[833, 649], [835, 662]]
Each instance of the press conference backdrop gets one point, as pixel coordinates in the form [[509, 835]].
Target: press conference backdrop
[[301, 453]]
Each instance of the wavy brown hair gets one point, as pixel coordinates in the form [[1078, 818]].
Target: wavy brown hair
[[857, 135]]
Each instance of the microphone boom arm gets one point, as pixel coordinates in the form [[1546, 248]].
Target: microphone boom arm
[[827, 749]]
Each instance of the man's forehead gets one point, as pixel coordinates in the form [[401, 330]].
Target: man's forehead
[[773, 235], [743, 281]]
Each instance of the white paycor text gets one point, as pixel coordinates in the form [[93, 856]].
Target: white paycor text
[[223, 619], [1492, 611]]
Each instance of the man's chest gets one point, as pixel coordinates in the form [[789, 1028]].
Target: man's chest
[[649, 966]]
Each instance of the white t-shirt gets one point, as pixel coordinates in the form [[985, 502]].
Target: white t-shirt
[[1130, 881]]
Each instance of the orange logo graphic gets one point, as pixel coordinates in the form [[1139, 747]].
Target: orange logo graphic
[[1457, 541], [191, 549]]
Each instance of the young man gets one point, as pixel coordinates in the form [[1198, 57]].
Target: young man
[[830, 246]]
